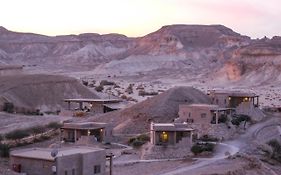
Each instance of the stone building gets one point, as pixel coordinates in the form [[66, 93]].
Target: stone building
[[170, 133], [63, 161], [206, 119], [204, 114], [168, 141], [243, 102], [86, 132]]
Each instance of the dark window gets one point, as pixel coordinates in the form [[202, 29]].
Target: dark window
[[73, 171], [65, 172], [97, 169], [217, 101], [189, 114], [203, 115]]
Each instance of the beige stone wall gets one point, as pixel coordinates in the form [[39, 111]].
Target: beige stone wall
[[150, 151], [68, 164], [220, 99], [33, 166], [189, 112], [92, 159]]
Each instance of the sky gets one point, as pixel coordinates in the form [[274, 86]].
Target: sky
[[255, 18]]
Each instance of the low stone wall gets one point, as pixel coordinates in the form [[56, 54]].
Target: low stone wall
[[150, 151], [220, 131]]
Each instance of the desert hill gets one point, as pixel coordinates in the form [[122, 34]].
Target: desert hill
[[211, 53], [45, 92], [161, 108]]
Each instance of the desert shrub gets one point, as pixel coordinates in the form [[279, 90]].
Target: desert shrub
[[144, 93], [137, 143], [17, 134], [4, 150], [240, 118], [276, 149], [8, 107], [85, 83], [106, 83], [199, 148], [222, 119], [54, 125], [37, 130], [207, 138], [139, 140], [99, 88], [196, 149], [129, 89]]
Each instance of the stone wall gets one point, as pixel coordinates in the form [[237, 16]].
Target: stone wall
[[150, 151], [220, 131]]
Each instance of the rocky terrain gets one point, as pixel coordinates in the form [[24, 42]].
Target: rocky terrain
[[213, 53]]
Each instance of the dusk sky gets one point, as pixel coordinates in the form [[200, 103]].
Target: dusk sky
[[255, 18]]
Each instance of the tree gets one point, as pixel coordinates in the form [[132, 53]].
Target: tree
[[4, 150]]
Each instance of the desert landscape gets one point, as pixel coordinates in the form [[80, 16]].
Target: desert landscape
[[197, 99]]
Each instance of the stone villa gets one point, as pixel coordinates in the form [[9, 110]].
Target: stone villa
[[170, 133], [243, 102], [86, 132], [63, 161]]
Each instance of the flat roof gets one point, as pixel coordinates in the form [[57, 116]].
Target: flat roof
[[84, 125], [170, 127], [45, 153], [234, 93], [203, 105], [92, 100]]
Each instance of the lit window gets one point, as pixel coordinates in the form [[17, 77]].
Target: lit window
[[164, 136]]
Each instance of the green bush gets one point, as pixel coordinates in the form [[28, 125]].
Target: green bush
[[199, 148], [106, 83], [54, 125], [137, 143], [139, 140], [17, 134], [99, 88], [196, 149], [4, 150], [276, 148], [8, 107], [240, 118], [37, 130]]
